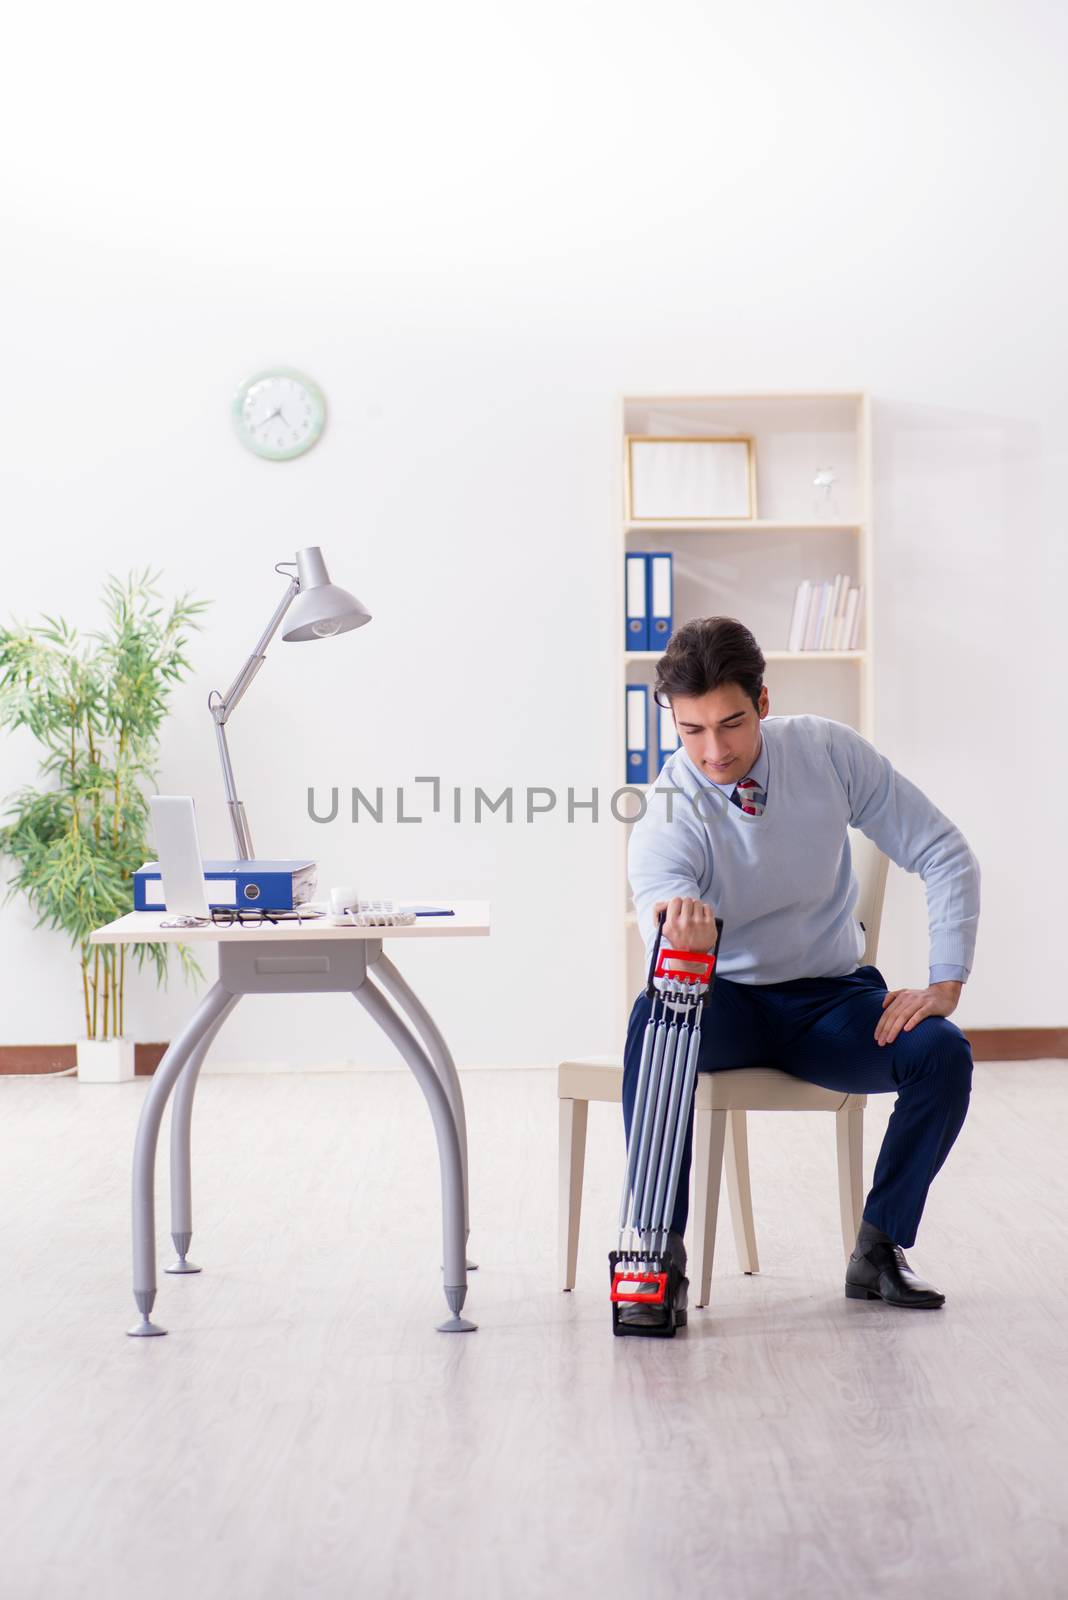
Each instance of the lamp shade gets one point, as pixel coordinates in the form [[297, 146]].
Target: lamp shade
[[321, 609]]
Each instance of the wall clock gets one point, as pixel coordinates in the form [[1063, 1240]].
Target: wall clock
[[279, 414]]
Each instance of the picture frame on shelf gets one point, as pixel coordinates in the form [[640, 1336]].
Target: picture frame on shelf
[[690, 479]]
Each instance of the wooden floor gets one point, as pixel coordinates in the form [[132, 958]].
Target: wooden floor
[[304, 1431]]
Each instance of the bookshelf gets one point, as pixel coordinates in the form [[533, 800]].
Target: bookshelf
[[750, 568]]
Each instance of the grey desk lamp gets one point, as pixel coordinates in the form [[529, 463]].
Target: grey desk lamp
[[318, 609]]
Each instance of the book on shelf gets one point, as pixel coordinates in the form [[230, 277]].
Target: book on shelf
[[826, 616]]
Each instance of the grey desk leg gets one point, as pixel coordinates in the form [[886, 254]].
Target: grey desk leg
[[449, 1153], [441, 1056], [181, 1141], [209, 1010]]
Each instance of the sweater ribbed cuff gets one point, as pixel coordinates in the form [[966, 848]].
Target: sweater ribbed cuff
[[951, 950]]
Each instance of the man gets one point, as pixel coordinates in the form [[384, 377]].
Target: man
[[758, 837]]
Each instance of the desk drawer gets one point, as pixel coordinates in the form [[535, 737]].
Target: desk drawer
[[292, 967]]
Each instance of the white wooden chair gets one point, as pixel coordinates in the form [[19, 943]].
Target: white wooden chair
[[721, 1102]]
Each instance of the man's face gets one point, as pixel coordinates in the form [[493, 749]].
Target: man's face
[[720, 730]]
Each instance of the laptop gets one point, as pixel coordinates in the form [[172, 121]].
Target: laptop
[[174, 822]]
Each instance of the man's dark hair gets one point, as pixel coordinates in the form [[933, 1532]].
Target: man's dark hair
[[707, 654]]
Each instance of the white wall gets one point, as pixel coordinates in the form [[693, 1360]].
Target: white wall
[[476, 226]]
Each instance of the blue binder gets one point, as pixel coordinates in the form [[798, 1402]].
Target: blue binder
[[637, 733], [636, 600], [266, 885], [660, 601], [667, 735]]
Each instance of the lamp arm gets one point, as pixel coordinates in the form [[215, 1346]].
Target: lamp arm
[[221, 706], [225, 703]]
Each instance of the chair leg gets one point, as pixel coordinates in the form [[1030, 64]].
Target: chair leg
[[850, 1131], [739, 1192], [709, 1133], [573, 1118]]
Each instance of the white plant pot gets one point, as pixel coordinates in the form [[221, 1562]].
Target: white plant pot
[[105, 1060]]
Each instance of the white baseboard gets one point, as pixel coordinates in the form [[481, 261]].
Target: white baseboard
[[253, 1068]]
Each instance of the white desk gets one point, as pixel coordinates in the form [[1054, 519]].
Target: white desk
[[286, 958]]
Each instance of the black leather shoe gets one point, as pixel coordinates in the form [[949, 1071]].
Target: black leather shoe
[[635, 1315], [882, 1273]]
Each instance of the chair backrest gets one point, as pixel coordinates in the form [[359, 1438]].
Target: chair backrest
[[870, 867]]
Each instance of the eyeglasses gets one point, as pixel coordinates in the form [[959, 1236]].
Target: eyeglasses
[[250, 916], [244, 916]]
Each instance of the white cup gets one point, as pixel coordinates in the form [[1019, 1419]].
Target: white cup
[[342, 898]]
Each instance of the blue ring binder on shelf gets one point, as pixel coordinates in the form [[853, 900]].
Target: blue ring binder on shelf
[[660, 601], [637, 733], [636, 600], [667, 736]]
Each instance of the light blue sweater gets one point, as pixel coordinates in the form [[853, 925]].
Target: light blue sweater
[[783, 882]]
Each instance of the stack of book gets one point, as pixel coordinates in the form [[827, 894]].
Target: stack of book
[[826, 615]]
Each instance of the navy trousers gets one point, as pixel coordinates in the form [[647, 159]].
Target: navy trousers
[[823, 1030]]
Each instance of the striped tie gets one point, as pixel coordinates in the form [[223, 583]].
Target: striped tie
[[749, 797]]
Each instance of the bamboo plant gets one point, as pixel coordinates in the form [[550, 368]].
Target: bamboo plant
[[96, 705]]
